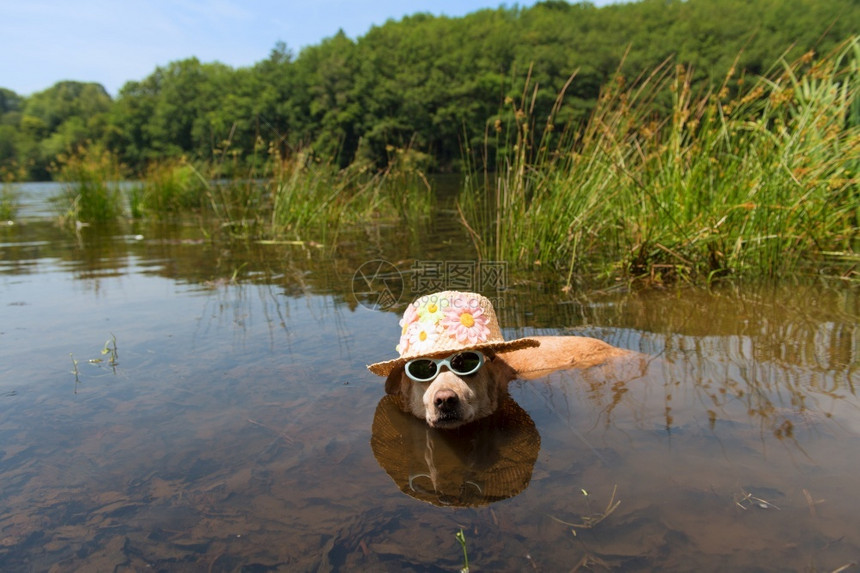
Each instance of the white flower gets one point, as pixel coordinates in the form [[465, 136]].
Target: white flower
[[421, 337]]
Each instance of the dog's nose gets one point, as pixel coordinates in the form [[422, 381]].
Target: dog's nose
[[445, 399]]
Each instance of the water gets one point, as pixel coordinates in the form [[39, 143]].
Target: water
[[172, 404]]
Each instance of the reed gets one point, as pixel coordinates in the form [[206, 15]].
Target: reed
[[90, 177], [406, 192], [285, 196], [9, 204], [10, 200], [298, 197], [224, 188], [308, 195], [461, 539], [758, 183], [238, 204], [168, 187], [236, 189], [314, 198]]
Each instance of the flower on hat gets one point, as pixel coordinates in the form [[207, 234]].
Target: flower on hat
[[410, 316], [465, 321], [445, 323], [430, 309], [421, 336]]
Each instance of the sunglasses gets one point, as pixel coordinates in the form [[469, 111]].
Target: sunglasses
[[463, 364]]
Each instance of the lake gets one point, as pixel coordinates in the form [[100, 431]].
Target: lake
[[173, 403]]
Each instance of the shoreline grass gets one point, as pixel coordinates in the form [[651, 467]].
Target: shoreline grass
[[757, 178], [299, 197], [90, 178], [9, 205], [752, 185], [313, 196]]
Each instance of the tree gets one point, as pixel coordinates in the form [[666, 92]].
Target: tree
[[437, 84]]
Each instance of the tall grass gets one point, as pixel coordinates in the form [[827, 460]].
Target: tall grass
[[232, 194], [90, 191], [168, 187], [315, 198], [406, 192], [755, 183], [308, 196], [10, 200], [8, 203], [294, 197], [299, 197]]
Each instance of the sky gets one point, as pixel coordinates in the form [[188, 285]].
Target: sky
[[114, 41]]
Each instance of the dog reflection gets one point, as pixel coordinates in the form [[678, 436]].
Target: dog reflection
[[488, 460]]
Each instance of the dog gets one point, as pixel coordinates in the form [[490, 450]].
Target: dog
[[440, 329], [451, 400]]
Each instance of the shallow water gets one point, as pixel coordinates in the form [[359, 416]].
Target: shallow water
[[172, 404]]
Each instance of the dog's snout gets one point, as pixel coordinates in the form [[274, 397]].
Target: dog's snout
[[445, 399]]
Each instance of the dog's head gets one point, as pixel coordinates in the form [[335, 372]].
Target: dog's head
[[451, 400]]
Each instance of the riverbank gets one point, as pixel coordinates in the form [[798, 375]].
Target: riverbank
[[757, 179]]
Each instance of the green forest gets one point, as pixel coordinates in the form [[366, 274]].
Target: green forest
[[432, 85]]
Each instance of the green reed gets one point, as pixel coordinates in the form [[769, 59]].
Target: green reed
[[461, 539], [405, 191], [758, 183], [8, 203], [308, 194], [90, 177], [10, 200], [314, 198], [169, 186], [236, 188], [276, 195]]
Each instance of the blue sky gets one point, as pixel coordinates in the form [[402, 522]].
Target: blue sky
[[114, 41]]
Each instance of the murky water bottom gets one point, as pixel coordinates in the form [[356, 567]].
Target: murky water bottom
[[168, 404]]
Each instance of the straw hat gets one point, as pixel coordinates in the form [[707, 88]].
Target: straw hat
[[488, 460], [445, 323]]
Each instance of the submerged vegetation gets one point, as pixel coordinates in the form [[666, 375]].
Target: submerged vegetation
[[754, 178]]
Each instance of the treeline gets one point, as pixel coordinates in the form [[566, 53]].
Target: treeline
[[430, 85]]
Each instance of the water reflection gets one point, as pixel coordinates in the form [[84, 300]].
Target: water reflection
[[486, 461], [241, 430]]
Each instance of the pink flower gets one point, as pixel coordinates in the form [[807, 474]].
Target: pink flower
[[409, 316], [465, 321]]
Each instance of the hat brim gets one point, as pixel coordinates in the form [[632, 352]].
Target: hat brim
[[385, 368]]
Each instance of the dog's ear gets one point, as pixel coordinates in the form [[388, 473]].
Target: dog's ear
[[393, 382], [500, 370]]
